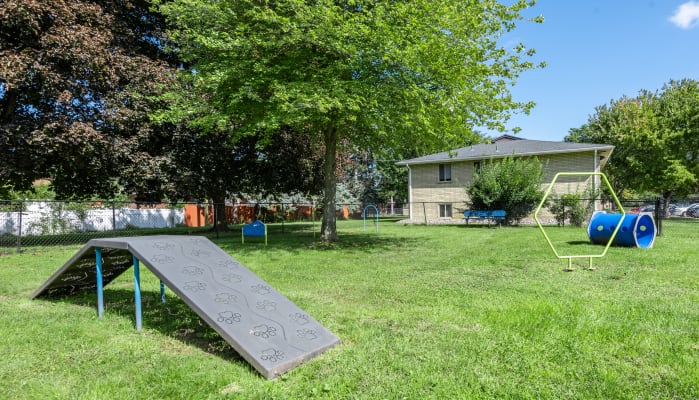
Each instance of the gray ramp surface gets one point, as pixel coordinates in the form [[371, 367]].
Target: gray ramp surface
[[263, 326]]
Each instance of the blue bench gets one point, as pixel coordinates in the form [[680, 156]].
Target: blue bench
[[255, 228], [490, 215]]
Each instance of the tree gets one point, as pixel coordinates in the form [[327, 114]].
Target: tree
[[77, 81], [216, 167], [656, 135], [210, 167], [393, 182], [370, 74], [377, 181], [511, 184], [292, 163]]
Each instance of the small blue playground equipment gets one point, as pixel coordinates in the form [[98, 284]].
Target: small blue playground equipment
[[636, 230], [255, 228]]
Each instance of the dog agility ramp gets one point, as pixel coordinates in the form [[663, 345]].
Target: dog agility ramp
[[262, 325]]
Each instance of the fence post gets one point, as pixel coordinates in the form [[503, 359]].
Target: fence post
[[283, 216], [19, 231], [216, 206], [659, 215], [114, 226], [563, 207]]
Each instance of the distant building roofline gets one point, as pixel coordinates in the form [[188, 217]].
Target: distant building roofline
[[503, 148]]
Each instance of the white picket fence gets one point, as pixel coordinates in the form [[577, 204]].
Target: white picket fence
[[41, 218]]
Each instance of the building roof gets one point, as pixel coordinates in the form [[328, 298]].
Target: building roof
[[518, 148], [506, 137]]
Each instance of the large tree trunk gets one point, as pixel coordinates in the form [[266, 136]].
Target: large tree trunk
[[328, 229], [667, 196]]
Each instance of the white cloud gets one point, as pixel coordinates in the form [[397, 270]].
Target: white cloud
[[687, 15]]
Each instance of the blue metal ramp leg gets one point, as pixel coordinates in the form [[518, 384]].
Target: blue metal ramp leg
[[100, 289], [137, 292]]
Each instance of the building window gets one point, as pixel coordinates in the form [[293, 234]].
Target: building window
[[445, 172], [445, 211], [477, 167]]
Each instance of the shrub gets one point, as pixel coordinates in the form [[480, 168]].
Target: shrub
[[510, 184], [573, 207], [568, 207]]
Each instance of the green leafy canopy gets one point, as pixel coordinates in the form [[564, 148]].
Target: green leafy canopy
[[656, 139], [382, 71]]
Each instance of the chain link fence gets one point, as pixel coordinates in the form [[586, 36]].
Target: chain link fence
[[429, 213], [25, 223]]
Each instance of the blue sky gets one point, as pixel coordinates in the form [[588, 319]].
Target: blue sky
[[597, 51]]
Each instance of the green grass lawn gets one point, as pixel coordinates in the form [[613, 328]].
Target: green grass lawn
[[443, 312]]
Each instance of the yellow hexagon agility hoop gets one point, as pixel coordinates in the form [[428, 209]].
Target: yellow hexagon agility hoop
[[570, 258]]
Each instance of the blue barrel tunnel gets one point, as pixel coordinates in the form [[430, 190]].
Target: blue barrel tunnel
[[636, 230]]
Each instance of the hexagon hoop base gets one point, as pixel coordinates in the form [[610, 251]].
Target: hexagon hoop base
[[605, 181]]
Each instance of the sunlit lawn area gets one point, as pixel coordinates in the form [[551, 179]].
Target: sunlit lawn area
[[441, 312]]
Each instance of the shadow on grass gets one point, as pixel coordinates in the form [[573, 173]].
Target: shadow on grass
[[483, 226], [174, 318], [298, 240], [579, 242]]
